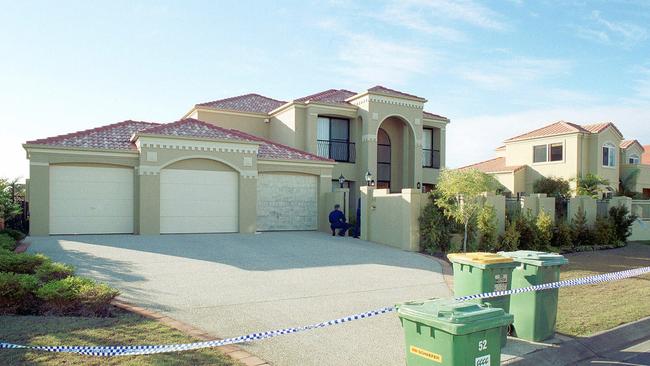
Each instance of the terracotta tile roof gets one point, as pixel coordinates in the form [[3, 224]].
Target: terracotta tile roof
[[115, 136], [397, 93], [496, 165], [120, 136], [252, 102], [502, 147], [430, 115], [645, 158], [554, 129], [328, 96], [599, 127], [191, 127], [627, 143]]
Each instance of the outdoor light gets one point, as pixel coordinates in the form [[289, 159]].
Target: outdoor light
[[341, 180], [369, 178], [419, 185], [372, 183]]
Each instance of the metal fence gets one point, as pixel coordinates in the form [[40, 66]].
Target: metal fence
[[561, 209], [602, 208], [339, 150], [513, 206]]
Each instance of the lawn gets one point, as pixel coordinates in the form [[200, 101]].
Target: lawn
[[585, 310], [123, 329]]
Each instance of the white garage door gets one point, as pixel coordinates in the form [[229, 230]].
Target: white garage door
[[91, 200], [287, 202], [199, 201]]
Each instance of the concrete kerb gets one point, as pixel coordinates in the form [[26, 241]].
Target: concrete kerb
[[447, 270], [232, 351]]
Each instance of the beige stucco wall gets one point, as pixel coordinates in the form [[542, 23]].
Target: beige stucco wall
[[610, 173], [643, 178], [247, 122], [587, 203]]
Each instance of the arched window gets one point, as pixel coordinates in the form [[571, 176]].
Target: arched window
[[609, 155], [633, 159]]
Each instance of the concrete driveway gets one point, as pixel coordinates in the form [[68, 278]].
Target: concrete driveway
[[233, 284]]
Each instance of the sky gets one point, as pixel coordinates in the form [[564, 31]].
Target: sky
[[494, 68]]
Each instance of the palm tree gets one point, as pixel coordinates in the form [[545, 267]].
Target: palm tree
[[627, 181]]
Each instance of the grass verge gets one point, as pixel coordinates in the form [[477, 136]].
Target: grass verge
[[123, 329], [585, 310]]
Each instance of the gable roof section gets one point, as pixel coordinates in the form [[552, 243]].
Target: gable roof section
[[626, 144], [645, 158], [554, 129], [116, 136], [396, 93], [600, 127], [430, 115], [252, 103], [496, 165], [191, 127], [335, 96]]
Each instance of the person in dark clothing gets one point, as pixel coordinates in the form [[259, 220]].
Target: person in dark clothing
[[337, 221]]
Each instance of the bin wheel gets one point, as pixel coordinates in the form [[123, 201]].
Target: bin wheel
[[511, 330]]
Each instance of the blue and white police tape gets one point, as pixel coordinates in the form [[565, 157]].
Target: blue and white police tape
[[152, 349]]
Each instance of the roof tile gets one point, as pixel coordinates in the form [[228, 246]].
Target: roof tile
[[337, 96], [645, 158], [426, 114], [496, 165], [191, 127], [397, 93], [253, 103], [557, 128], [116, 136]]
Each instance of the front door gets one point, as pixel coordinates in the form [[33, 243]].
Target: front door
[[383, 159]]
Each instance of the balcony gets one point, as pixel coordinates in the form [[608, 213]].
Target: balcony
[[337, 150], [431, 158]]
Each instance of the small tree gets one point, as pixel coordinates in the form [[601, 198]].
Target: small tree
[[589, 185], [9, 207], [580, 230], [487, 227], [622, 220], [562, 236], [544, 226], [434, 227], [525, 224], [604, 232], [509, 241], [461, 195], [553, 187]]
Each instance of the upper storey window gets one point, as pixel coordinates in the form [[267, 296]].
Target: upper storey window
[[609, 155], [634, 159], [333, 137], [548, 152]]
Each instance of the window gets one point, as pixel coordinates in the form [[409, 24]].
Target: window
[[550, 152], [633, 159], [539, 154], [333, 135], [609, 155], [430, 156]]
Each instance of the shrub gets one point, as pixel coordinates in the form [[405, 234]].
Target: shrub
[[7, 242], [487, 229], [15, 234], [21, 263], [552, 186], [525, 224], [544, 227], [604, 232], [622, 221], [580, 232], [509, 241], [17, 293], [52, 271], [589, 185], [434, 228], [76, 296], [562, 236]]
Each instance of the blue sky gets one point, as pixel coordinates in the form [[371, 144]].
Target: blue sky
[[496, 69]]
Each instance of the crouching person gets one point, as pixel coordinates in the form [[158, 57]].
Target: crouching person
[[337, 221]]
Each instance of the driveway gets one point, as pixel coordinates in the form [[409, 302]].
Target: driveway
[[233, 284]]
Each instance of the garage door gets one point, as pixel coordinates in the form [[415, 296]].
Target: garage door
[[199, 201], [287, 202], [91, 200]]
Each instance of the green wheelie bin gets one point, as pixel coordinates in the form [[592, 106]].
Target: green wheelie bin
[[536, 311], [445, 332]]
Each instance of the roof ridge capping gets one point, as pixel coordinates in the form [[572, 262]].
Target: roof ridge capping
[[55, 138]]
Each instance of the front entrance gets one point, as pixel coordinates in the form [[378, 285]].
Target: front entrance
[[383, 159]]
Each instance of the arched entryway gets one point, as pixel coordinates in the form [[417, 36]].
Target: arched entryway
[[395, 154], [383, 159]]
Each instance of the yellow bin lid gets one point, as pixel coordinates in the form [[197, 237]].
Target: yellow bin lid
[[478, 258]]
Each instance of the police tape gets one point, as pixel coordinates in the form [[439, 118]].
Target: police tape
[[153, 349]]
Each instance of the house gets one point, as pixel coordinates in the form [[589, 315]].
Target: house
[[242, 164], [645, 158], [568, 150]]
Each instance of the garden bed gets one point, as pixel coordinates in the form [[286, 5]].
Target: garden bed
[[122, 328]]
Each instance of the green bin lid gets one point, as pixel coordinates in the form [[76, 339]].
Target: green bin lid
[[539, 259], [454, 317]]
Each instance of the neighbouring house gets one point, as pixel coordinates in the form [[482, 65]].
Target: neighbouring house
[[242, 164], [645, 158], [568, 150]]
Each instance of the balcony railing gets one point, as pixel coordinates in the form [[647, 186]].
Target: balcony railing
[[338, 150], [431, 158]]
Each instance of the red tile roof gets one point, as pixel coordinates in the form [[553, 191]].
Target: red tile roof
[[645, 158], [119, 136], [554, 129], [430, 115], [191, 127], [115, 136], [627, 143], [337, 96], [496, 165], [254, 103], [397, 93], [599, 127]]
